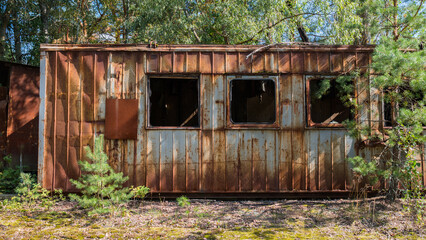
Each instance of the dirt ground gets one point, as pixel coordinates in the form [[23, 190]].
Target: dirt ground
[[214, 219]]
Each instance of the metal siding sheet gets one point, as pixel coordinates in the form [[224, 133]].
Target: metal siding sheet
[[311, 63], [244, 64], [284, 62], [324, 62], [141, 144], [258, 63], [192, 160], [271, 62], [324, 160], [179, 62], [271, 161], [207, 92], [338, 159], [246, 161], [299, 163], [336, 62], [349, 61], [231, 62], [42, 120], [298, 100], [100, 88], [232, 160], [285, 92], [218, 110], [179, 161], [219, 145], [219, 62], [61, 153], [166, 160], [363, 100], [206, 63], [260, 150], [153, 62], [166, 62], [192, 62], [285, 163], [349, 152], [312, 141], [297, 62], [153, 160], [207, 164]]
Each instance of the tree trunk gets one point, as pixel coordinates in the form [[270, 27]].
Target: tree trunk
[[3, 26], [17, 36], [44, 21]]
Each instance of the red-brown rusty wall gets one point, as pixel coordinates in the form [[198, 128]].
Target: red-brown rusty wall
[[215, 157], [19, 104]]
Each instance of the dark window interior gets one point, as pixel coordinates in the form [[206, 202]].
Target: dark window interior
[[252, 101], [173, 102], [328, 107], [4, 75]]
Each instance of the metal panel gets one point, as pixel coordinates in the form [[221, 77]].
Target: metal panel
[[121, 121]]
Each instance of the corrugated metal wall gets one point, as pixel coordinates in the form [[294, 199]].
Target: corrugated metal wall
[[77, 80]]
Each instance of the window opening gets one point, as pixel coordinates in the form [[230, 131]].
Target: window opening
[[173, 102], [252, 101], [326, 105]]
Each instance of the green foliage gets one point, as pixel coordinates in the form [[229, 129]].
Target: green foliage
[[101, 187], [9, 176], [31, 196], [139, 192], [183, 201]]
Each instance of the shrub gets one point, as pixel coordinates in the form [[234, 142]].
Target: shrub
[[9, 177], [183, 201], [101, 187]]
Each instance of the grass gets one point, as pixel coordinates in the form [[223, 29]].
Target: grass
[[338, 219]]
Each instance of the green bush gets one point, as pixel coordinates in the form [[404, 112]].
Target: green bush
[[9, 177], [101, 187], [183, 201]]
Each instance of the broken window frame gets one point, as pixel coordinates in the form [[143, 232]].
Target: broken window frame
[[309, 121], [239, 125], [148, 100]]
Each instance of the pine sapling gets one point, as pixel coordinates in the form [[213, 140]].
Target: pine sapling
[[101, 187]]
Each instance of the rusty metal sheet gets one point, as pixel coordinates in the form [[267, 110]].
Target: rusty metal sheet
[[219, 156], [259, 158], [349, 61], [299, 163], [284, 62], [311, 145], [338, 159], [153, 161], [232, 160], [219, 62], [206, 62], [311, 62], [245, 160], [285, 161], [179, 62], [23, 96], [298, 102], [336, 62], [192, 160], [179, 154], [324, 160], [153, 62], [324, 62], [207, 164], [192, 62], [166, 64], [244, 64], [231, 62], [166, 160], [271, 62], [297, 62], [258, 63], [121, 119]]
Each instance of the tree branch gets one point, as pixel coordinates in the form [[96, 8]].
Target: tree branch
[[415, 15], [273, 25]]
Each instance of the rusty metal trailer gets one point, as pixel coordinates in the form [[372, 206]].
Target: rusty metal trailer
[[205, 119], [19, 104]]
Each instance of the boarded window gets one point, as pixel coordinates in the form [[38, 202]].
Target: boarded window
[[325, 105], [252, 101], [173, 102]]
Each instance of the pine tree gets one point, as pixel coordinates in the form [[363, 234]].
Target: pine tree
[[100, 186]]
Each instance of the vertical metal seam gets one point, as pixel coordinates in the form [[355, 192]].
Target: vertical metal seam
[[81, 106], [42, 118], [54, 120], [68, 118]]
